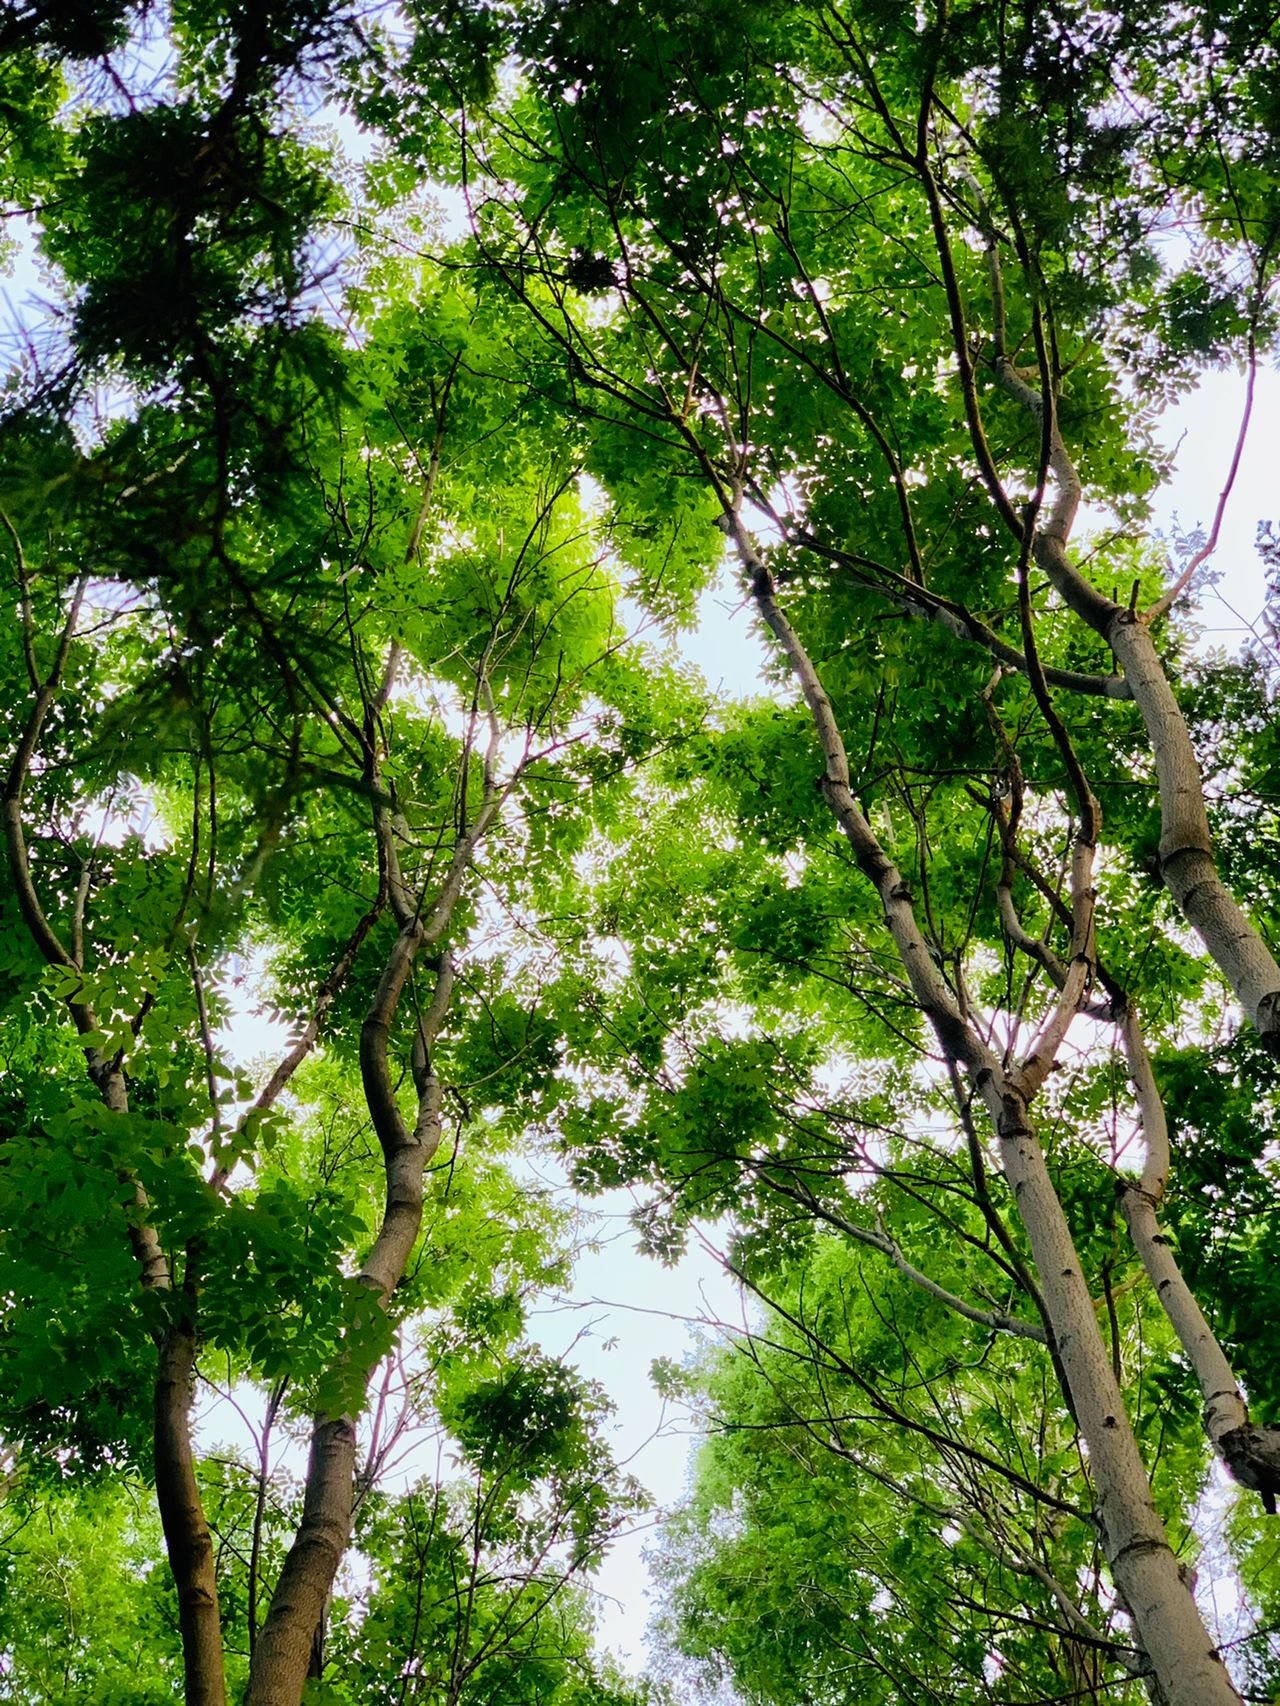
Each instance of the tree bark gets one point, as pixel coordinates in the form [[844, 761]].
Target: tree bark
[[1250, 1452], [1187, 862], [186, 1532], [1142, 1562], [282, 1652], [293, 1625]]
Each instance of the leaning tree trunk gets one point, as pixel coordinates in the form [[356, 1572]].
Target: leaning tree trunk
[[285, 1646], [1143, 1565], [188, 1542], [1250, 1452]]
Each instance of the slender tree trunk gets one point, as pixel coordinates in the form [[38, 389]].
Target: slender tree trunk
[[1250, 1452], [1142, 1562], [260, 1509], [287, 1644], [282, 1653], [186, 1532], [1187, 862]]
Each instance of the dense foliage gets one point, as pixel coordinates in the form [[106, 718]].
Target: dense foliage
[[403, 376]]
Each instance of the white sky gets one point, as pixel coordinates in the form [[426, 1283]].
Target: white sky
[[623, 1312], [1204, 428]]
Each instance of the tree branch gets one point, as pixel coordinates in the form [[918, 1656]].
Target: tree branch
[[1250, 1452], [996, 1321]]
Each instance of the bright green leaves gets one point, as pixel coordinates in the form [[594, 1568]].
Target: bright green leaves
[[509, 1054], [522, 1422], [86, 1609], [281, 1244], [361, 559], [32, 147], [505, 1626], [850, 1524], [75, 1326], [536, 1427]]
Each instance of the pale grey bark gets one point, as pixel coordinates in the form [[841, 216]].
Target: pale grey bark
[[1189, 870], [1250, 1452], [1142, 1562], [284, 1649], [1187, 863]]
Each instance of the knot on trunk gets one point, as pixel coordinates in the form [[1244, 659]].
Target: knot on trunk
[[1012, 1124], [1252, 1457], [1268, 1021]]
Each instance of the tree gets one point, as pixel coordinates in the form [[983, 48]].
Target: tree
[[317, 658], [886, 1513], [322, 661], [882, 286]]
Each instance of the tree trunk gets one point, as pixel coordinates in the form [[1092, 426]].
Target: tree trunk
[[1187, 862], [1251, 1453], [1142, 1562], [186, 1533], [282, 1653], [285, 1648], [1143, 1565]]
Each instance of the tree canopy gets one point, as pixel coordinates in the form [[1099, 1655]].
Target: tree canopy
[[401, 379]]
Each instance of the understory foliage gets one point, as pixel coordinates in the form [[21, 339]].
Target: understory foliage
[[396, 384]]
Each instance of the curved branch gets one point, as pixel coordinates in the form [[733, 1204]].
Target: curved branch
[[1166, 602], [283, 1651], [297, 1053], [996, 1321], [43, 934], [957, 619], [24, 602]]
